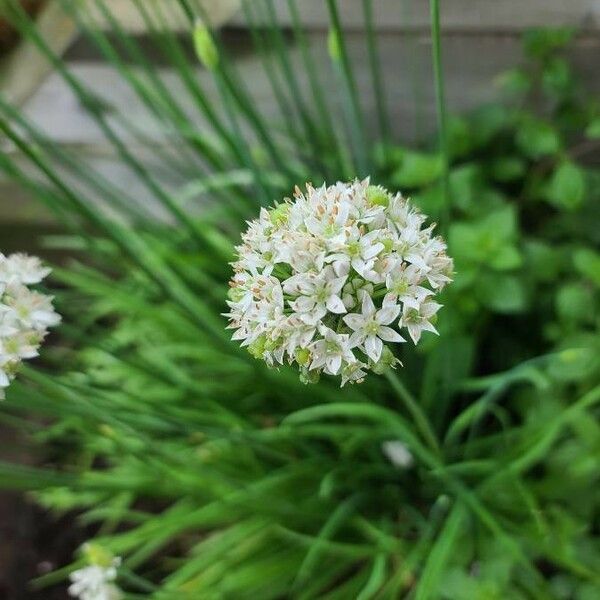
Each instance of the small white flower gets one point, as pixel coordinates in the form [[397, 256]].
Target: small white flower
[[25, 315], [417, 320], [316, 294], [398, 454], [331, 351], [303, 264], [95, 582], [21, 268], [370, 327]]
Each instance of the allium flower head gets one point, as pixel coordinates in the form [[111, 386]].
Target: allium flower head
[[332, 278], [25, 315], [96, 581]]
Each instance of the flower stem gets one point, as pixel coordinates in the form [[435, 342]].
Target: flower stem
[[434, 6], [415, 411]]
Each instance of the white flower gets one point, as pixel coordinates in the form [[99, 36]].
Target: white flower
[[95, 582], [316, 294], [370, 327], [25, 315], [331, 351], [307, 261], [417, 320], [398, 454], [21, 268]]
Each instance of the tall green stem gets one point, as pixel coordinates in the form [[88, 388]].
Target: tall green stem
[[415, 411], [434, 6]]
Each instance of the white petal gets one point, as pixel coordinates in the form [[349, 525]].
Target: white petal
[[354, 321], [356, 339], [335, 305], [373, 250], [414, 331], [303, 304], [390, 335], [334, 363], [368, 308], [373, 348], [388, 314]]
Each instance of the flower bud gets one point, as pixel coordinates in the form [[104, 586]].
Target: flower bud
[[205, 47]]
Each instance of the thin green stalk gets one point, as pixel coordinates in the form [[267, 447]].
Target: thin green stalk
[[378, 87], [315, 142], [415, 411], [91, 103], [440, 107], [155, 95], [243, 102], [338, 151], [339, 55], [285, 109]]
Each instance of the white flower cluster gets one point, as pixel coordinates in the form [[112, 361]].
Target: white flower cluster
[[329, 278], [96, 581], [25, 315]]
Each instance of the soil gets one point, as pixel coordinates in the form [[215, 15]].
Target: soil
[[32, 541]]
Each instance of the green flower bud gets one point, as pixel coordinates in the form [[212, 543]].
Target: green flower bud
[[307, 376], [333, 45], [387, 361], [302, 356], [97, 555], [257, 348], [376, 195], [204, 45], [387, 245], [279, 214]]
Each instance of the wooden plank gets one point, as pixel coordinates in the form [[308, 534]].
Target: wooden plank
[[457, 15], [25, 68], [471, 63]]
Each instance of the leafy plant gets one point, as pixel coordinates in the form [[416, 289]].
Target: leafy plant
[[215, 477]]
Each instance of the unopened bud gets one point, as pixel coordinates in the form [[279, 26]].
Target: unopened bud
[[205, 47]]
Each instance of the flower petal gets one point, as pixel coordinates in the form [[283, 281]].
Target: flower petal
[[390, 335], [373, 348], [335, 305]]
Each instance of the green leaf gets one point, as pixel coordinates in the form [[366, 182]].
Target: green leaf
[[567, 186], [418, 169], [539, 43], [507, 258], [488, 121], [593, 129], [574, 302], [537, 138], [466, 183], [556, 76], [460, 137], [587, 262], [544, 261], [463, 240], [502, 223], [440, 555], [507, 168], [482, 241], [502, 293], [516, 81]]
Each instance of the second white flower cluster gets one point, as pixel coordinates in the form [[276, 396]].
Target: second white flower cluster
[[328, 279], [25, 315]]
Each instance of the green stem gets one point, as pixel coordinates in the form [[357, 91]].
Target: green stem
[[378, 88], [434, 6], [415, 411]]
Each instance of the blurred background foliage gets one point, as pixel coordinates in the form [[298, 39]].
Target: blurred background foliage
[[215, 477]]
